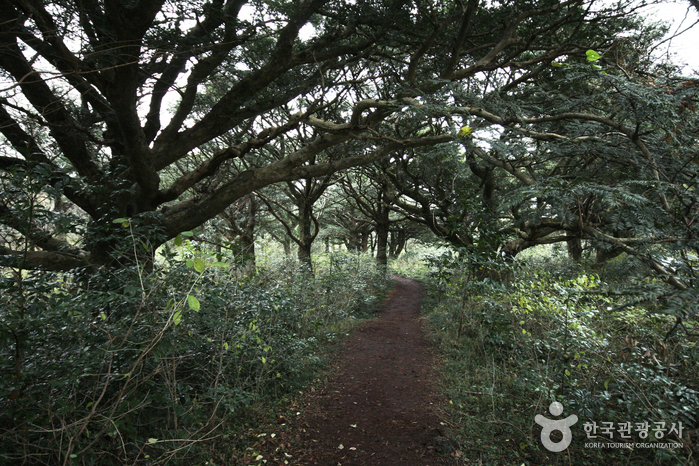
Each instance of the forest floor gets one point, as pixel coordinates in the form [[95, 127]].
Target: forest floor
[[379, 405]]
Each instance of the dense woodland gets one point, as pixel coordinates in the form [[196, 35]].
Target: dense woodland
[[198, 198]]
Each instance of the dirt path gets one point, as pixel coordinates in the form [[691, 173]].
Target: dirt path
[[379, 408]]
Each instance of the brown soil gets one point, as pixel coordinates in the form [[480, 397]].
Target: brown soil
[[379, 408]]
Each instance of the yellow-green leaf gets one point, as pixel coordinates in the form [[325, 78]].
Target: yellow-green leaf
[[606, 384], [178, 240], [177, 317], [465, 131], [193, 302], [152, 440], [199, 265], [592, 55]]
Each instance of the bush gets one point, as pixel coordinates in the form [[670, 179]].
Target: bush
[[560, 333], [128, 366]]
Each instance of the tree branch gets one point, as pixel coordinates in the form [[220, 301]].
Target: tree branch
[[42, 260], [655, 265]]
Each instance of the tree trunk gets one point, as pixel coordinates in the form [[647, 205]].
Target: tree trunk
[[382, 230], [306, 236], [381, 247], [286, 243], [364, 241], [398, 240], [574, 248], [353, 242]]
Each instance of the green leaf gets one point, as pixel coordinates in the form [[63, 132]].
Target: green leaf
[[222, 265], [225, 345], [177, 317], [178, 240], [193, 303], [199, 265], [597, 67], [592, 55], [187, 233], [189, 263], [103, 316], [152, 440], [124, 222]]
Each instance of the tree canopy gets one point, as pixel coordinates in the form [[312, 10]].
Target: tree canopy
[[499, 126], [160, 111]]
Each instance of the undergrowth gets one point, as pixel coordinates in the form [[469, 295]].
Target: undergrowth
[[562, 332], [133, 366]]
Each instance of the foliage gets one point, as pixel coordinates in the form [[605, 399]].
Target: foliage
[[160, 366], [558, 332], [500, 127]]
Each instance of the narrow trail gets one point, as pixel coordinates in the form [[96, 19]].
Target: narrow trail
[[379, 409]]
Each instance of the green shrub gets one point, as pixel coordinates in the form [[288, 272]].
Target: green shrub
[[560, 333], [128, 366]]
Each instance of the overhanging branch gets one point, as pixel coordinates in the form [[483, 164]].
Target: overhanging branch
[[654, 264]]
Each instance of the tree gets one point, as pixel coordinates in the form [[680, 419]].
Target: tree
[[354, 228], [592, 149], [88, 86], [89, 96], [241, 220], [297, 214]]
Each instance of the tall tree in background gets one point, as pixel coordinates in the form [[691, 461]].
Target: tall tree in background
[[352, 228], [296, 213], [241, 221], [367, 189]]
